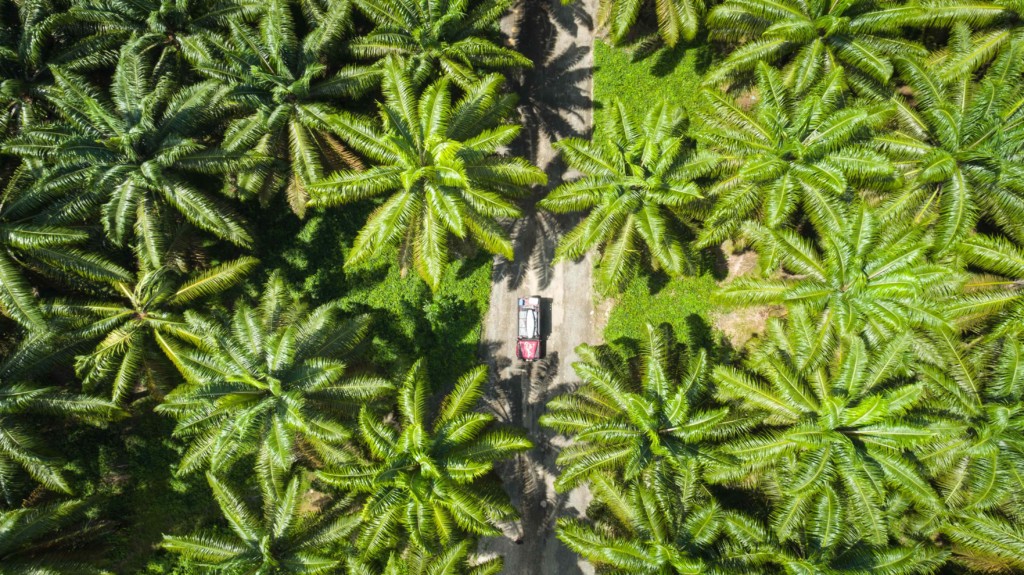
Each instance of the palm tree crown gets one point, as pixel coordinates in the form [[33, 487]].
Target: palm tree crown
[[28, 244], [21, 448], [169, 27], [428, 480], [634, 530], [790, 151], [450, 37], [272, 380], [961, 145], [980, 32], [48, 539], [677, 19], [835, 439], [866, 279], [24, 62], [813, 39], [978, 464], [646, 419], [287, 92], [280, 538], [119, 155], [638, 182], [137, 325], [439, 162]]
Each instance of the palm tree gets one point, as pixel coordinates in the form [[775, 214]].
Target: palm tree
[[848, 557], [677, 19], [287, 91], [281, 537], [26, 243], [24, 62], [171, 28], [862, 278], [813, 39], [991, 305], [111, 158], [808, 151], [428, 481], [49, 539], [988, 543], [449, 37], [137, 326], [439, 162], [650, 417], [980, 32], [960, 145], [454, 560], [837, 431], [638, 182], [270, 381], [22, 406], [979, 464], [630, 529]]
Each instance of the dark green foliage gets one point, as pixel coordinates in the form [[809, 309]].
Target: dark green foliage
[[870, 152], [427, 482], [439, 164], [54, 250], [454, 39], [24, 59], [121, 155], [281, 537], [136, 325], [288, 92], [50, 538], [96, 29], [22, 449]]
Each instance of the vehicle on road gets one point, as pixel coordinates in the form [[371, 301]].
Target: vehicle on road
[[528, 344]]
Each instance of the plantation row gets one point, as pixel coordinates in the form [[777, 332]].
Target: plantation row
[[870, 152]]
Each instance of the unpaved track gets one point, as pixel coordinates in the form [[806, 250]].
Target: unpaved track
[[555, 102]]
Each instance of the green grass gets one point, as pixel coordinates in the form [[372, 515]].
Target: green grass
[[682, 302], [672, 75]]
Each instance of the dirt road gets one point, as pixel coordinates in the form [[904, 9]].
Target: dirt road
[[555, 102]]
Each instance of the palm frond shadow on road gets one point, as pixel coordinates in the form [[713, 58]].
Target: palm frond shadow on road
[[554, 103], [519, 400]]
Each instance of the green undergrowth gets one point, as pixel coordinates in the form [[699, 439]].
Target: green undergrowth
[[682, 302], [409, 321], [666, 74]]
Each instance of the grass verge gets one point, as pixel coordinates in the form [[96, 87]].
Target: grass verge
[[681, 302], [672, 75]]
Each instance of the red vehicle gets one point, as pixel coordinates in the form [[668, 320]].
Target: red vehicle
[[528, 341]]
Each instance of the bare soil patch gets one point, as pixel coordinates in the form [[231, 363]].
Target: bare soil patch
[[741, 325]]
